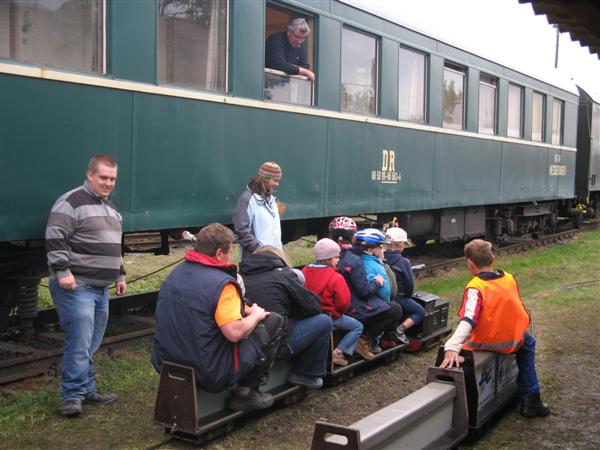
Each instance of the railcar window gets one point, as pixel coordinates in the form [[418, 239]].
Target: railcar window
[[192, 43], [411, 86], [60, 33], [515, 111], [557, 122], [487, 104], [359, 73], [537, 117], [453, 99], [595, 127], [289, 56]]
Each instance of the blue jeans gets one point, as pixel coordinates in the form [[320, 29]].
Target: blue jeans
[[354, 329], [83, 315], [308, 344], [411, 308], [527, 380]]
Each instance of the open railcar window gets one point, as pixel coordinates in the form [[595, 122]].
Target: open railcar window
[[66, 34], [289, 56], [192, 43]]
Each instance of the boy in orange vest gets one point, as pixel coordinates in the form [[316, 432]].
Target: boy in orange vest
[[493, 318]]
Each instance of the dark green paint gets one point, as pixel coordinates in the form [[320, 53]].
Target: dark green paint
[[247, 48], [184, 162], [132, 38], [389, 79], [472, 103]]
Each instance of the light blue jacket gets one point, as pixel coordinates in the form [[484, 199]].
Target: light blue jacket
[[256, 222], [373, 267]]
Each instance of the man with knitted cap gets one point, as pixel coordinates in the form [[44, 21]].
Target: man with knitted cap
[[323, 279], [256, 218]]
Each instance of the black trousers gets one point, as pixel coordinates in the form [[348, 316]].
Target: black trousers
[[267, 335], [385, 322]]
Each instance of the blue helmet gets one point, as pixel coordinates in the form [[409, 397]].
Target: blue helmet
[[370, 237]]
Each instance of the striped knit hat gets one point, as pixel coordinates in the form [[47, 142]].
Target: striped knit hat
[[270, 169]]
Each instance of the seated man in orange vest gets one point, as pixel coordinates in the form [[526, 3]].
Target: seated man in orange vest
[[493, 318]]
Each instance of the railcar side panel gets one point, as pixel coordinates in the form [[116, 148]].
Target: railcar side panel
[[50, 127], [467, 171]]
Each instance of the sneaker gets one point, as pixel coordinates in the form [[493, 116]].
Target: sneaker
[[100, 399], [402, 338], [375, 347], [532, 406], [254, 399], [363, 349], [338, 359], [306, 381], [71, 407]]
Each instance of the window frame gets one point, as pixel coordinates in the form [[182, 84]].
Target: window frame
[[226, 87], [462, 70], [102, 66], [521, 110], [561, 119], [377, 40], [488, 82], [425, 82], [543, 118], [313, 37]]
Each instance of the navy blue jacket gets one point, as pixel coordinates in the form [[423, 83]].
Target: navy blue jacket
[[186, 331], [280, 55], [364, 302], [272, 285], [403, 270]]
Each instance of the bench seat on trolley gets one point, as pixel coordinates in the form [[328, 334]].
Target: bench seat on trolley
[[183, 407]]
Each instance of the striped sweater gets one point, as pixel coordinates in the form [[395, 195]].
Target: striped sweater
[[83, 238]]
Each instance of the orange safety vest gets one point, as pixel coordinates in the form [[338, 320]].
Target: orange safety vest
[[503, 319]]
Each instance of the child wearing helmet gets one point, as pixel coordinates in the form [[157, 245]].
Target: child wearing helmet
[[374, 313], [402, 269], [322, 278], [371, 240]]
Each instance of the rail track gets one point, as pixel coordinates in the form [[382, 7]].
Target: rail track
[[132, 318]]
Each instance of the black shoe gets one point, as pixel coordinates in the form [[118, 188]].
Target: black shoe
[[252, 400], [70, 407], [306, 381], [100, 399], [532, 406]]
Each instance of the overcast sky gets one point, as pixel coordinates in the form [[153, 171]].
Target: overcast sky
[[501, 30]]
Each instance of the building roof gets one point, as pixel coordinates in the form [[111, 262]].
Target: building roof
[[579, 18]]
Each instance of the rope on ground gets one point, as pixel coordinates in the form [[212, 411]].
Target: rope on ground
[[577, 285], [141, 277]]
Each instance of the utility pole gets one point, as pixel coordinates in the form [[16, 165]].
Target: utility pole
[[556, 48]]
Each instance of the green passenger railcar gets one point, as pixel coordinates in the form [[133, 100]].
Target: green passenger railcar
[[397, 124]]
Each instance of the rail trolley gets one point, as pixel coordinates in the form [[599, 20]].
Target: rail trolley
[[190, 413]]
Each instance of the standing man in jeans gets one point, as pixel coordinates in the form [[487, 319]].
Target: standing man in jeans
[[83, 242]]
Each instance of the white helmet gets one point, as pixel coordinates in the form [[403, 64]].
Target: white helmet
[[398, 235]]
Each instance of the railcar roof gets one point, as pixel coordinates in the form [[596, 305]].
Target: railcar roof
[[551, 76]]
